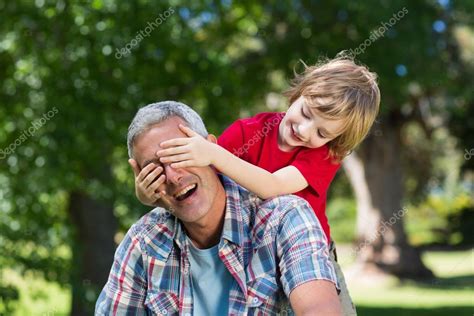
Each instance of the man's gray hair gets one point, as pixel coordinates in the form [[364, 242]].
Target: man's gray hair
[[158, 112]]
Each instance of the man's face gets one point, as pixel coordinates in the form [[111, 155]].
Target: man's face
[[200, 185]]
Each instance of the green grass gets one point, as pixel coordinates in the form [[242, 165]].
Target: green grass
[[452, 293], [395, 310]]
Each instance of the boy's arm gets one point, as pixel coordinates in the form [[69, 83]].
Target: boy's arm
[[265, 184], [196, 151]]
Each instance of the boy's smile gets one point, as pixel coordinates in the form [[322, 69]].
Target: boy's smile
[[303, 126]]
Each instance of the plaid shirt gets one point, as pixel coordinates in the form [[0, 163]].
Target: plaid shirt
[[269, 246]]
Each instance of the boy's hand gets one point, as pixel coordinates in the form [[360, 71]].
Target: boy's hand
[[148, 182], [193, 151]]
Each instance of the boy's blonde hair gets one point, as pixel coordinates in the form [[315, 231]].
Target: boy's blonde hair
[[340, 89]]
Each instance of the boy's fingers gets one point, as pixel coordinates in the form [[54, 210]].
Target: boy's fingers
[[174, 142], [151, 177], [156, 197], [187, 130], [172, 151], [182, 164], [174, 158], [156, 184], [165, 197], [147, 170], [134, 166]]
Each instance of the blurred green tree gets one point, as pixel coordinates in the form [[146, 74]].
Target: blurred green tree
[[66, 189], [423, 81]]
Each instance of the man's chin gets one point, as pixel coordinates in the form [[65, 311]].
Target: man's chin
[[189, 217], [163, 205]]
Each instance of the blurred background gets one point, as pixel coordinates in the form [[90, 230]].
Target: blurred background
[[74, 73]]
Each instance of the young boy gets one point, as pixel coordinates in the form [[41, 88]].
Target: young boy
[[332, 107]]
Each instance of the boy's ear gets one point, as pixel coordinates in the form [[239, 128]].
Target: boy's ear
[[212, 138]]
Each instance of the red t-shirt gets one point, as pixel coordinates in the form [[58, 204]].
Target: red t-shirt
[[255, 140]]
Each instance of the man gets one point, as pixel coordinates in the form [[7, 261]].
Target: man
[[221, 250]]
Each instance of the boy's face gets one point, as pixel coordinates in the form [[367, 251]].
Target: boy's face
[[303, 126]]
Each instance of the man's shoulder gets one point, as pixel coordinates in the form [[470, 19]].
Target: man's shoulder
[[276, 211], [154, 231], [251, 206], [284, 204], [158, 218]]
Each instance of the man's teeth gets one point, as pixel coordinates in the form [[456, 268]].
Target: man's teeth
[[185, 190]]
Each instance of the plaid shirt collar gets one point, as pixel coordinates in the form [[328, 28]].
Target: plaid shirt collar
[[233, 228]]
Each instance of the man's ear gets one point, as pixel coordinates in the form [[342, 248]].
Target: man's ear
[[212, 138]]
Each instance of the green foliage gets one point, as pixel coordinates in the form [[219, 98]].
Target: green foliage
[[460, 225], [57, 58], [437, 220], [342, 218], [34, 295], [8, 297]]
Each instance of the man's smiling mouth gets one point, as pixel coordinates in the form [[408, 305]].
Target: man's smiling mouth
[[186, 192]]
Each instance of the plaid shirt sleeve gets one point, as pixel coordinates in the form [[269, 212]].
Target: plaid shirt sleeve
[[302, 247], [125, 291]]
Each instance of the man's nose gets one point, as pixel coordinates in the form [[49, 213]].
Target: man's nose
[[173, 175]]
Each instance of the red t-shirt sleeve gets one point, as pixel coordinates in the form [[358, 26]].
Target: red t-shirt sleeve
[[316, 169], [232, 139]]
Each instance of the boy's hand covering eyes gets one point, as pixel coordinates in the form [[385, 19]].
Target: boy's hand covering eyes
[[191, 151], [148, 182]]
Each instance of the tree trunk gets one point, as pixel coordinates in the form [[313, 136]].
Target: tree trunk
[[95, 226], [376, 177]]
